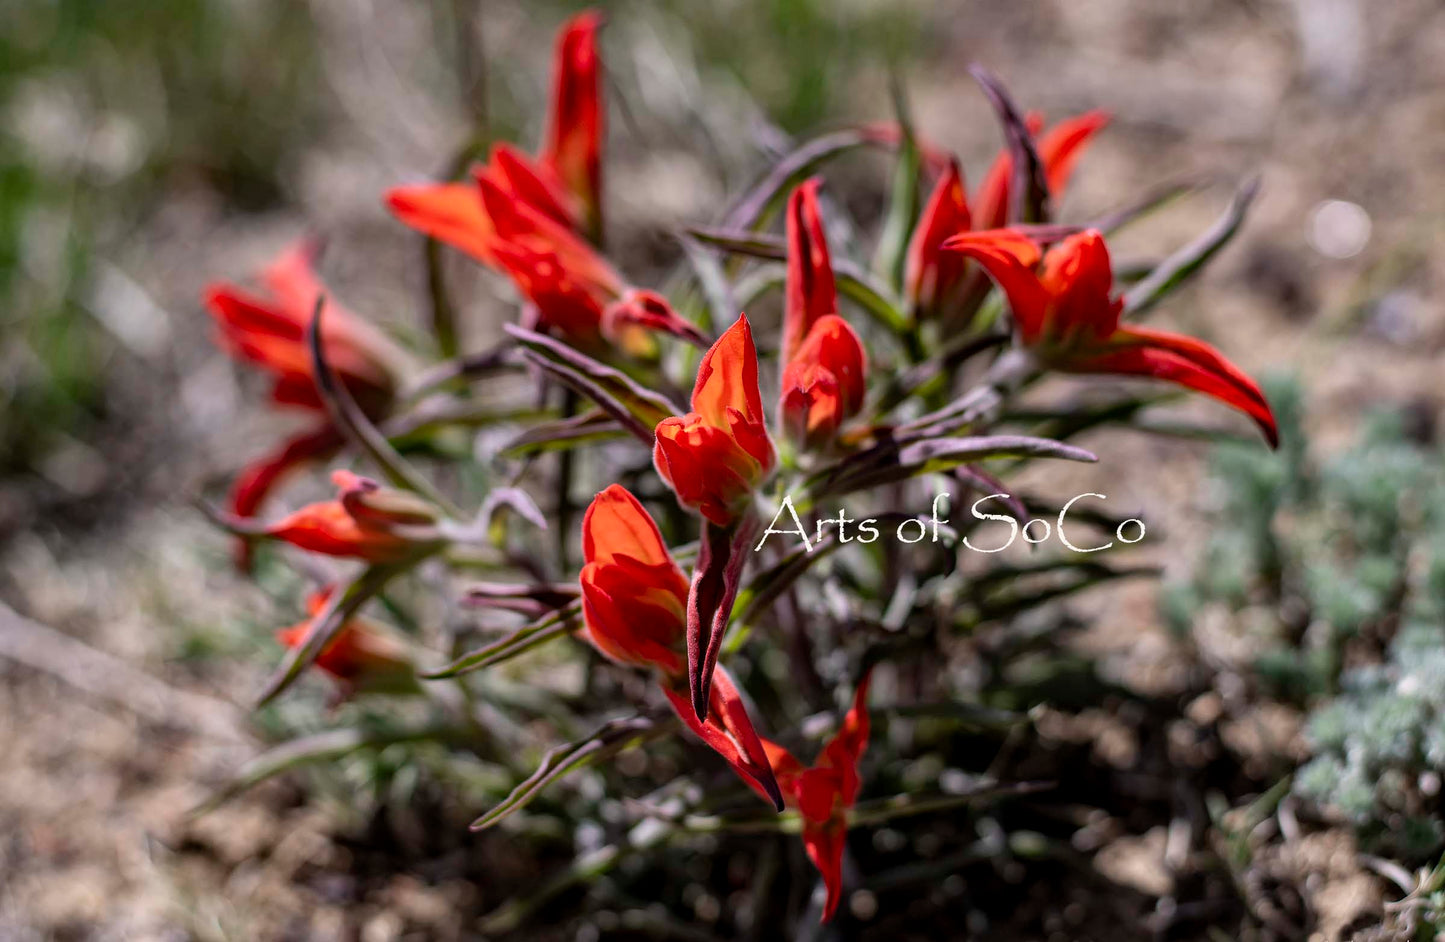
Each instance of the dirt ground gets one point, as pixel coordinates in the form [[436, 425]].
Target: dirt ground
[[1325, 99]]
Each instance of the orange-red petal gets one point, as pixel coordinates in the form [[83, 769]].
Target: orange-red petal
[[1009, 257], [825, 844], [729, 731], [448, 212], [823, 385], [616, 524], [811, 291], [1190, 363], [1063, 144], [727, 378], [929, 272], [573, 147], [1079, 277]]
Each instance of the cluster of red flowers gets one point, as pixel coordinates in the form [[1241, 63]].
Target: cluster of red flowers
[[537, 222]]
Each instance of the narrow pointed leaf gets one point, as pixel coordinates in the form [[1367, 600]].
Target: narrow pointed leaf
[[985, 483], [608, 740], [755, 207], [1030, 186], [593, 425], [1028, 590], [1156, 198], [715, 582], [762, 280], [327, 746], [549, 627], [497, 594], [903, 201], [742, 242], [1183, 264], [721, 307], [865, 814], [981, 447], [516, 500], [635, 407], [769, 585], [498, 359], [876, 301], [890, 464], [882, 810], [341, 604], [348, 417]]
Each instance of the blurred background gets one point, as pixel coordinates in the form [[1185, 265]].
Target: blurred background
[[146, 149]]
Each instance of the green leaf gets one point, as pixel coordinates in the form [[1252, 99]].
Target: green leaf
[[888, 465], [549, 627], [1029, 188], [903, 201], [864, 814], [341, 604], [1026, 588], [742, 242], [1156, 198], [594, 425], [1183, 264], [608, 740], [722, 309], [349, 417], [321, 747], [636, 408], [876, 300], [767, 586], [755, 207]]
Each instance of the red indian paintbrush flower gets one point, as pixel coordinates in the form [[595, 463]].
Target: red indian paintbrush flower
[[366, 521], [511, 219], [270, 330], [361, 658], [564, 181], [509, 225], [824, 363], [714, 457], [933, 279], [575, 291], [528, 217], [1059, 149], [823, 794], [1065, 316], [573, 149], [634, 603], [936, 281]]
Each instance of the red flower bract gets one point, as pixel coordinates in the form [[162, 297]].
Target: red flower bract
[[714, 457], [270, 331], [531, 218], [811, 290], [824, 363], [823, 384], [1066, 316], [933, 278], [365, 521], [634, 603], [361, 656], [573, 151], [1059, 150], [824, 793], [634, 596]]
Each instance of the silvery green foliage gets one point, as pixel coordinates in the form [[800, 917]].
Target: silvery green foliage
[[1380, 747], [1345, 558]]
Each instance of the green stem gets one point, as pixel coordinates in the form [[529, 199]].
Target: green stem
[[565, 472]]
